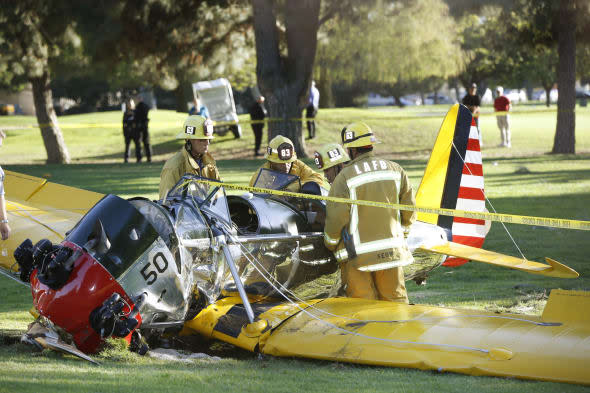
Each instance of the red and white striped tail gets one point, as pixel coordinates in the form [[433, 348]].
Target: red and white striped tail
[[469, 231]]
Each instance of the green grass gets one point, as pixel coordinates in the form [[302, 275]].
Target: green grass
[[522, 180], [52, 373], [405, 133]]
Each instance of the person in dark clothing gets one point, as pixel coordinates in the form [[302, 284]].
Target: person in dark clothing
[[472, 101], [130, 131], [141, 124], [257, 113]]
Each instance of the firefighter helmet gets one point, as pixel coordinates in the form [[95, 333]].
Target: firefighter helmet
[[280, 150], [358, 135], [196, 127], [330, 155]]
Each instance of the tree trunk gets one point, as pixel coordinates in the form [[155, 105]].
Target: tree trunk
[[180, 99], [181, 93], [285, 80], [55, 146], [565, 133]]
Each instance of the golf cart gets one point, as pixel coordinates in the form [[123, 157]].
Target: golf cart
[[217, 96]]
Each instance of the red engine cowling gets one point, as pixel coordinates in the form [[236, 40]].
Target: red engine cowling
[[70, 306]]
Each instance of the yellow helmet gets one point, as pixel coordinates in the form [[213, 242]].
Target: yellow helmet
[[330, 155], [196, 127], [280, 150], [357, 135]]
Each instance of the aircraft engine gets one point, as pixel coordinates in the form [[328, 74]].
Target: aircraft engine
[[120, 267]]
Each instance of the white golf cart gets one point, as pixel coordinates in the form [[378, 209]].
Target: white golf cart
[[217, 96]]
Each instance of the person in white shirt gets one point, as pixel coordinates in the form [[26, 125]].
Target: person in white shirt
[[312, 109]]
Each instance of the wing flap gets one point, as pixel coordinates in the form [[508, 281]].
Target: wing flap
[[551, 269]]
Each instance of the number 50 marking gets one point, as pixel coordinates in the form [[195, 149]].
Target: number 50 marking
[[160, 263]]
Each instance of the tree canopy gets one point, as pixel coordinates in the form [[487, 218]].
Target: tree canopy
[[394, 48], [32, 34]]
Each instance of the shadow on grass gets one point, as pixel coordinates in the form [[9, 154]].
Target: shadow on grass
[[220, 146], [531, 178]]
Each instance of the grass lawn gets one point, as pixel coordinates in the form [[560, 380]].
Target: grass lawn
[[522, 180]]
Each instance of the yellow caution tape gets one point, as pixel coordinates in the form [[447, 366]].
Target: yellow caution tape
[[507, 218]]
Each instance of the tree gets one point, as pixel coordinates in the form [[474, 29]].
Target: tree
[[392, 48], [562, 23], [539, 65], [173, 43], [522, 61], [284, 72], [32, 33]]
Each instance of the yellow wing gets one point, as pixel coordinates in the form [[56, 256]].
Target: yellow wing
[[554, 347], [38, 209], [553, 269]]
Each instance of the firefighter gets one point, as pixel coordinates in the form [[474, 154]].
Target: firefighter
[[193, 157], [281, 157], [331, 158], [369, 242]]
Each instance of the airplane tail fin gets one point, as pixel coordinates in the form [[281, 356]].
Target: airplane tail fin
[[453, 179]]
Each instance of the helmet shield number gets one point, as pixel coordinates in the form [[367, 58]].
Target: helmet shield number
[[347, 136], [189, 130], [319, 162], [285, 151], [334, 155]]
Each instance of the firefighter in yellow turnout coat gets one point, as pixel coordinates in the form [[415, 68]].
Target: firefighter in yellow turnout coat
[[369, 242], [281, 157], [193, 158]]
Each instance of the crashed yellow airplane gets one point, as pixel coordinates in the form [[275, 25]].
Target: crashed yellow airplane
[[252, 270]]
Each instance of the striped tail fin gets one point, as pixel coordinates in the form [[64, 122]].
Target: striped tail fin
[[453, 179]]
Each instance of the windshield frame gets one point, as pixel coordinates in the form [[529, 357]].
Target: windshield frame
[[289, 179]]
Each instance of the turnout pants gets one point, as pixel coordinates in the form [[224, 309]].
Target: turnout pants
[[386, 284]]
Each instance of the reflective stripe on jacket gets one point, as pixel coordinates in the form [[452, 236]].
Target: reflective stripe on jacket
[[182, 162], [377, 233], [305, 173]]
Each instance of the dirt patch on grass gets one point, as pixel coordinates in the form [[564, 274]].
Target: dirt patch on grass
[[10, 337]]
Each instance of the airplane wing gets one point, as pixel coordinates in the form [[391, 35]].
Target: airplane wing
[[553, 269], [39, 209], [553, 347]]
